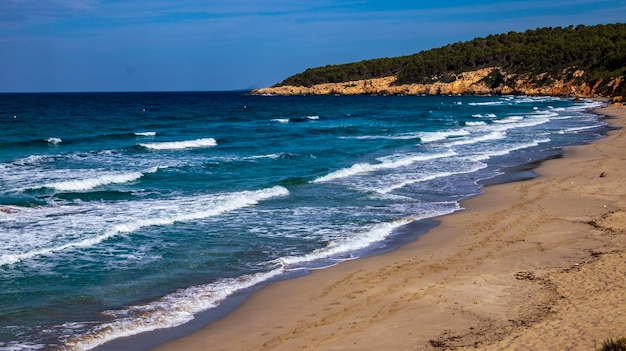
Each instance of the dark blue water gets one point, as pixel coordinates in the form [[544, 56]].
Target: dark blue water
[[127, 212]]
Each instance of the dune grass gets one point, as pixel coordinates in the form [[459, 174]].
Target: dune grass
[[614, 345]]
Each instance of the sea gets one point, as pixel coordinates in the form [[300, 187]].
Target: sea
[[128, 213]]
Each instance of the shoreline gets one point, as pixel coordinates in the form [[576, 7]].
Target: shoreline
[[447, 290]]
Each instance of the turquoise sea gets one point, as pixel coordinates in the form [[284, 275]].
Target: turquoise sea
[[124, 213]]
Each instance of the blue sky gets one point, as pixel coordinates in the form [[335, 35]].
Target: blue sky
[[169, 45]]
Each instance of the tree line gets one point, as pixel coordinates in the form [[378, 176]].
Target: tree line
[[600, 51]]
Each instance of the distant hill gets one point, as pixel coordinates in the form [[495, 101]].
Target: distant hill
[[593, 57]]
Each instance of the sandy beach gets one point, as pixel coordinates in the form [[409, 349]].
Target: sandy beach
[[530, 265]]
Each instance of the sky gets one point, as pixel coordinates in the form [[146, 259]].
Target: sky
[[207, 45]]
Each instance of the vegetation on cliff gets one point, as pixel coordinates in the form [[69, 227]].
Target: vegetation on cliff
[[595, 55]]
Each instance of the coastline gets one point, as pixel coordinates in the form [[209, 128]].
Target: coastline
[[514, 270]]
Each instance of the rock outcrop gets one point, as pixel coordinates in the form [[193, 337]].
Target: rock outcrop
[[480, 82]]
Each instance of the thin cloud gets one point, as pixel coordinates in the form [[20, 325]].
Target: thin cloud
[[31, 11]]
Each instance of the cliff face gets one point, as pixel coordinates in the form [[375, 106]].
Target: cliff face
[[479, 82]]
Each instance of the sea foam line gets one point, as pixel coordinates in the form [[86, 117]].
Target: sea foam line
[[91, 183], [428, 137], [375, 234], [407, 136], [579, 129], [504, 151], [366, 167], [488, 103], [181, 210], [167, 312], [482, 138], [425, 178], [145, 134], [177, 145]]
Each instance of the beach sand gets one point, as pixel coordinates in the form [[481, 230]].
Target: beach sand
[[531, 265]]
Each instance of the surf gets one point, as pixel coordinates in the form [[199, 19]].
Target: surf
[[179, 145]]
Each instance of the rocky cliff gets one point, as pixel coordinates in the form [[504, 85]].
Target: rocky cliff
[[480, 82]]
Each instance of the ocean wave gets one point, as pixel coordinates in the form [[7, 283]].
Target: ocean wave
[[479, 139], [404, 136], [488, 115], [500, 151], [127, 217], [477, 166], [80, 171], [54, 141], [488, 103], [304, 119], [516, 122], [270, 156], [177, 145], [471, 124], [585, 105], [575, 130], [295, 119], [510, 119], [167, 312], [32, 160], [146, 134], [91, 183], [428, 137], [544, 113], [280, 120], [363, 240], [386, 164]]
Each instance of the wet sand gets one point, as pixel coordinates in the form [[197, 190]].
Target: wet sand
[[531, 265]]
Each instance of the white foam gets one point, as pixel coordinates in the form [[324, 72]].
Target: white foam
[[54, 141], [517, 122], [376, 233], [427, 137], [92, 183], [32, 160], [488, 103], [424, 178], [470, 124], [92, 224], [403, 136], [479, 139], [167, 312], [146, 134], [270, 156], [177, 145], [313, 117], [42, 171], [360, 241], [585, 105], [280, 120], [21, 346], [489, 115], [575, 130], [366, 167], [546, 113], [510, 119], [506, 150]]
